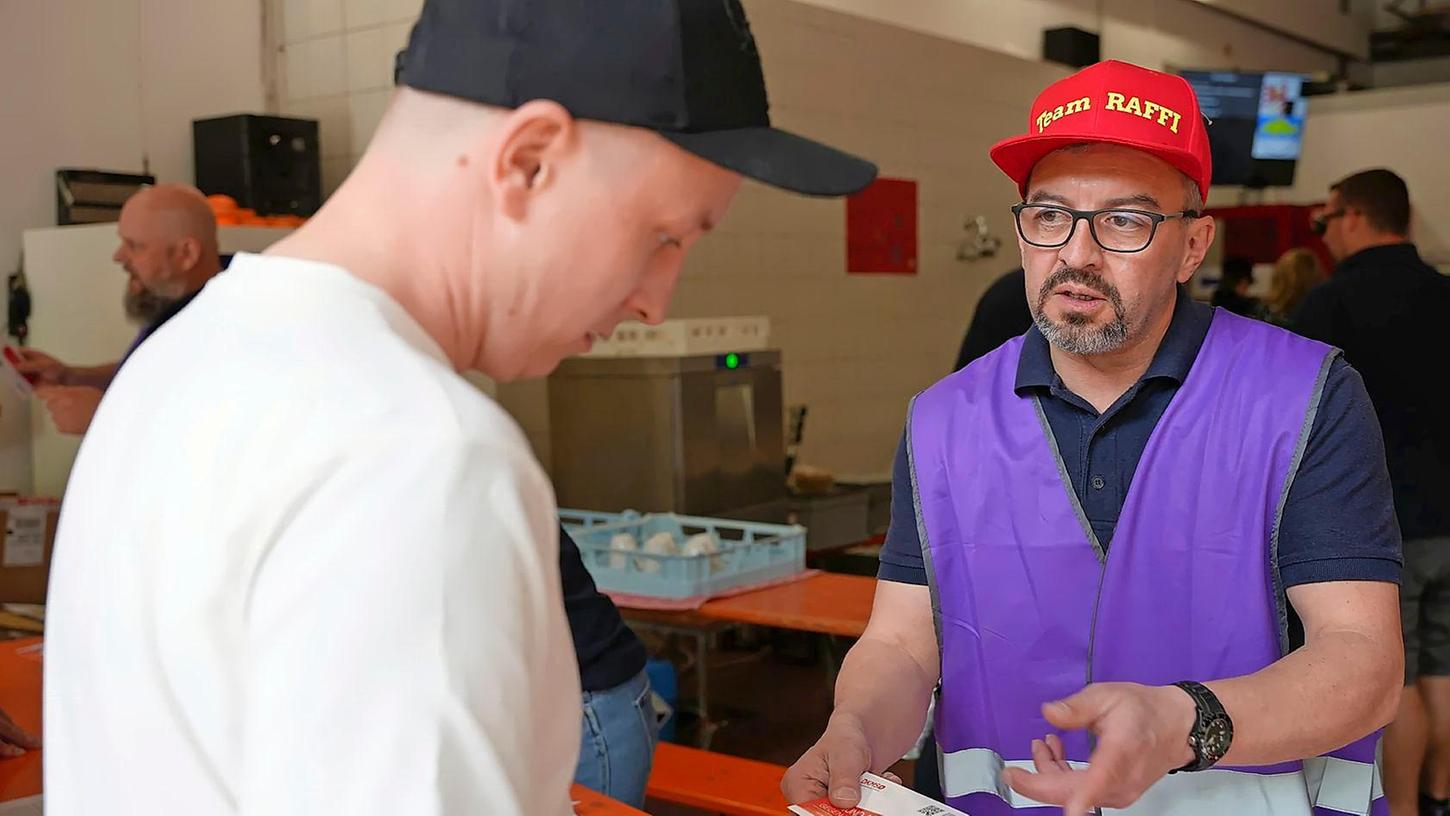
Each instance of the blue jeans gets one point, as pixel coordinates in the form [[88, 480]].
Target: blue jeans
[[620, 730]]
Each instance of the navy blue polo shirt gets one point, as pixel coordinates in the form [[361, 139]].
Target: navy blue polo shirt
[[1339, 520]]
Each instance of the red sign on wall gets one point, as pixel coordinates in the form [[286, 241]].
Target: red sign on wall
[[881, 229]]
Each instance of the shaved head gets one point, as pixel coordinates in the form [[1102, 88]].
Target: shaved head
[[516, 236], [176, 212], [168, 247]]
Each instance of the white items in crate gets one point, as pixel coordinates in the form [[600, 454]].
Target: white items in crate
[[682, 556], [685, 337], [661, 543]]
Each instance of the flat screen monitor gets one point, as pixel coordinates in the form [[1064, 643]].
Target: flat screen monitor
[[1256, 124]]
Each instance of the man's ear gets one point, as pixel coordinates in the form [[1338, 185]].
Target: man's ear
[[531, 144], [188, 253], [1201, 232]]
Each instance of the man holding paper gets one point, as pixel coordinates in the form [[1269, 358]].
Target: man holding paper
[[1145, 555]]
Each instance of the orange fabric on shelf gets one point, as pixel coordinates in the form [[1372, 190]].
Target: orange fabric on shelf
[[221, 203], [829, 603], [20, 698]]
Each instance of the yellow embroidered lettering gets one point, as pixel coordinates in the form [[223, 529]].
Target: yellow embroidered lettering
[[1176, 117], [1047, 117], [1134, 106], [1150, 108], [1115, 101]]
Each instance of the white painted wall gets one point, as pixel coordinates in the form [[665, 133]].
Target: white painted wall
[[111, 84], [1155, 33]]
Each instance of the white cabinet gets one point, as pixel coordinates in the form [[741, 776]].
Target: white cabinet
[[76, 315]]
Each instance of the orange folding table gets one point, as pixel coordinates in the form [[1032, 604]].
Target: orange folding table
[[20, 662], [827, 604]]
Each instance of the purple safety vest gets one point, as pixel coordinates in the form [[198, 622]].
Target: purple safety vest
[[1030, 608]]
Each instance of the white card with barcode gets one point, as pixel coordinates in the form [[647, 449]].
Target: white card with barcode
[[24, 536], [879, 797]]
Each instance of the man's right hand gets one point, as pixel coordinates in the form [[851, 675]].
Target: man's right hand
[[832, 766], [41, 368]]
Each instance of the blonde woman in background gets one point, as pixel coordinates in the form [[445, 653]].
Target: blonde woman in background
[[1295, 273]]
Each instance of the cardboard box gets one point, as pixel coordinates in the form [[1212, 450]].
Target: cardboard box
[[25, 552]]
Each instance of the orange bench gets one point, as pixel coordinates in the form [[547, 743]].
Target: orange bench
[[716, 783]]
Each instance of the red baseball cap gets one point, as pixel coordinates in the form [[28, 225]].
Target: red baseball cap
[[1113, 103]]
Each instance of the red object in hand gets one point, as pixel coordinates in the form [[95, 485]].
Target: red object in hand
[[14, 357]]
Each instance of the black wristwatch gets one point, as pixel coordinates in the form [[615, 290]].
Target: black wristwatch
[[1212, 732]]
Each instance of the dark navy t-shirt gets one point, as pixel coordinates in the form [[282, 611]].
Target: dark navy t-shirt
[[609, 652], [1339, 520]]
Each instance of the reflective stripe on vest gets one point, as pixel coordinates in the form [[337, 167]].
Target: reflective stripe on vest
[[1339, 785]]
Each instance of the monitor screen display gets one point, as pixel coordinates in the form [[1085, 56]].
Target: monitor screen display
[[1256, 124]]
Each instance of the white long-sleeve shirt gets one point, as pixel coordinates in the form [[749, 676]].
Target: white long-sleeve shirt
[[305, 568]]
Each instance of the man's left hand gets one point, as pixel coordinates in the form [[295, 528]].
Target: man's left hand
[[71, 407], [1142, 734]]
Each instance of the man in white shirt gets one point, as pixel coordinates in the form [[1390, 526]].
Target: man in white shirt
[[303, 567]]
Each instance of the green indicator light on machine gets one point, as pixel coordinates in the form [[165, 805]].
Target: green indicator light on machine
[[732, 361]]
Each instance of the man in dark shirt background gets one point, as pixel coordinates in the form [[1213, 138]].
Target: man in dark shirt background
[[1001, 315], [620, 729], [1385, 307], [1233, 288]]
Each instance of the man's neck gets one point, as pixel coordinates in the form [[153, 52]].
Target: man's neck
[[1102, 378], [1380, 240], [389, 248], [202, 275]]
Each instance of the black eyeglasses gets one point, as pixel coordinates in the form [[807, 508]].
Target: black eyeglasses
[[1320, 223], [1115, 229]]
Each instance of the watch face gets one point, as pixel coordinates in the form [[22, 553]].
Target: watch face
[[1216, 738]]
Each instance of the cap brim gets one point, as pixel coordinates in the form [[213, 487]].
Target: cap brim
[[780, 159], [1017, 156]]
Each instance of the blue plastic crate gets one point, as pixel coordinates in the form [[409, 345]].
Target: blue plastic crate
[[578, 519], [749, 553]]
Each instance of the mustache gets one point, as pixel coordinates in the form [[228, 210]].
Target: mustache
[[1081, 277]]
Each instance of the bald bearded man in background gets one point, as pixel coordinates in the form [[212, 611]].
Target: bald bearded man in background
[[169, 251]]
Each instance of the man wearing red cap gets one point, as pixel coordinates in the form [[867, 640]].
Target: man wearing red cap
[[1145, 555]]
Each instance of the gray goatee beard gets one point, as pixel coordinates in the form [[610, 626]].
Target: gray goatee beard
[[1075, 334], [145, 306]]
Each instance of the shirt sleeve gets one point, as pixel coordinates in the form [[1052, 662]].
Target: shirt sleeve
[[901, 559], [1339, 519], [407, 651]]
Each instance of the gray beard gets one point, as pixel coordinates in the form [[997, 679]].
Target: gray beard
[[1075, 335], [145, 306]]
